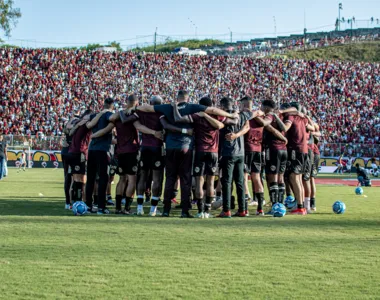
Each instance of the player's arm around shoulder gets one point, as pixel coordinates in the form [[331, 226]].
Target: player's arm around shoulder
[[177, 115], [103, 131], [213, 121]]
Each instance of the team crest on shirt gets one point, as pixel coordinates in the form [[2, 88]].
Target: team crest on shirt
[[77, 168], [157, 164], [134, 169], [273, 168], [141, 164], [120, 170], [197, 170]]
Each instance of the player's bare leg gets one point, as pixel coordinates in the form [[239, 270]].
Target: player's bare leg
[[296, 182], [77, 186], [131, 189], [248, 197], [281, 188], [199, 195], [158, 176], [210, 195], [313, 193], [120, 187], [258, 188]]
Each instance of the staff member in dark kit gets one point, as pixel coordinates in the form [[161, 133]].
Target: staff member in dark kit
[[98, 159], [232, 157], [3, 155], [179, 149]]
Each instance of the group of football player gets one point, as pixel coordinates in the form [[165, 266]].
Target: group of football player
[[204, 149]]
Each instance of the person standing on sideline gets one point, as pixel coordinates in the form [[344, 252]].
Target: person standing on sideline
[[97, 162], [5, 160], [22, 161], [3, 155]]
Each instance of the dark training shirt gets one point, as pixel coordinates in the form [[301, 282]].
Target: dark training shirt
[[177, 140], [235, 147], [102, 143]]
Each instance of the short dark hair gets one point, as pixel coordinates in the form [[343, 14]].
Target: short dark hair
[[357, 165], [132, 98], [246, 98], [183, 94], [109, 101], [296, 105], [285, 105], [226, 101], [206, 101], [269, 103], [86, 112]]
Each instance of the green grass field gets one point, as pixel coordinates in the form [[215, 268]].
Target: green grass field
[[47, 253]]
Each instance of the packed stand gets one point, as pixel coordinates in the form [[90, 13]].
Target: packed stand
[[41, 89]]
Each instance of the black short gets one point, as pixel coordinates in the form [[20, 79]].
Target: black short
[[152, 158], [253, 162], [315, 166], [275, 161], [296, 162], [128, 163], [113, 164], [66, 162], [205, 163], [78, 163], [308, 165]]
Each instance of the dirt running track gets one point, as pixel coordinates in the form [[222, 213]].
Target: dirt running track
[[348, 182]]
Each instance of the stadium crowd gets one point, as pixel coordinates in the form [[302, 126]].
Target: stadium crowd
[[40, 89]]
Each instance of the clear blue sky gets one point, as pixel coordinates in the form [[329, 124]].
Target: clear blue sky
[[75, 22]]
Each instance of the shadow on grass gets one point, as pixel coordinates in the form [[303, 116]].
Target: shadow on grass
[[32, 198], [9, 208]]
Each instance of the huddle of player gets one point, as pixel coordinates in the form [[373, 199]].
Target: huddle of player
[[192, 143]]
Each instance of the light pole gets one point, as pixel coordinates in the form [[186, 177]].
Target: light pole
[[340, 8], [155, 40], [230, 34]]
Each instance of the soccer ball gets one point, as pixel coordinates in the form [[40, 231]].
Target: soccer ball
[[371, 172], [79, 208], [339, 207], [290, 202], [279, 210], [359, 191], [376, 174]]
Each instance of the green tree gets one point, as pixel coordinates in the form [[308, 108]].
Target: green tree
[[91, 47], [116, 45], [8, 16]]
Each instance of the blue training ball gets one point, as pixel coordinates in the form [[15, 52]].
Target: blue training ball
[[339, 207], [279, 210], [290, 202], [79, 208], [359, 191]]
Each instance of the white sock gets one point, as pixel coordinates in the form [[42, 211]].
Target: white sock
[[307, 203], [153, 208], [139, 207]]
